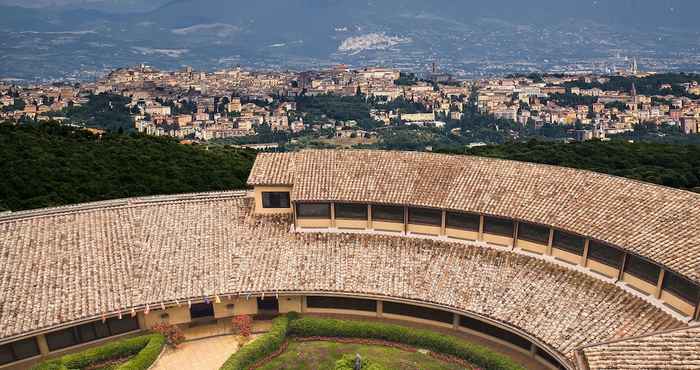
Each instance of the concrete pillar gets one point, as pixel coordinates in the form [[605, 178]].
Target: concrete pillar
[[405, 220], [516, 225], [533, 349], [660, 284], [455, 321], [303, 304], [332, 214], [481, 227], [443, 225], [294, 216], [622, 268], [584, 258], [369, 217], [380, 309], [548, 251], [42, 344], [141, 319]]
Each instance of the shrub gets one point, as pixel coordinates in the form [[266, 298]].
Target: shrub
[[259, 348], [436, 342], [172, 333], [348, 363], [144, 349], [243, 325]]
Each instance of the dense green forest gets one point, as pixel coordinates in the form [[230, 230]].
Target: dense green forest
[[50, 165], [671, 165], [106, 111]]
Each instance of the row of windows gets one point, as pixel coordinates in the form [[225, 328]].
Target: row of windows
[[89, 332], [19, 350], [571, 243], [342, 303]]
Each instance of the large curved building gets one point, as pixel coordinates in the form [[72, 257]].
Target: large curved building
[[576, 269]]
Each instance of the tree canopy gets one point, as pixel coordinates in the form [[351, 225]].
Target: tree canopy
[[51, 165]]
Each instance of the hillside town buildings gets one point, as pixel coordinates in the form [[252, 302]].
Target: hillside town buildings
[[188, 104]]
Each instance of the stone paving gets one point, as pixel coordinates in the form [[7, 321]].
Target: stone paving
[[207, 347]]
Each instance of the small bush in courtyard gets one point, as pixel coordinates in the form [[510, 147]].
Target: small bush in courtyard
[[242, 325], [172, 333], [259, 349]]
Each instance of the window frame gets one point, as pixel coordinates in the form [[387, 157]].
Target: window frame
[[594, 246], [388, 208], [325, 216], [464, 218], [499, 220], [338, 211], [563, 240], [424, 219], [692, 298], [418, 312], [335, 303], [267, 199], [640, 263], [11, 348], [531, 231]]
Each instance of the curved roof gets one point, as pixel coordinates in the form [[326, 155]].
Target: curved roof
[[58, 268], [656, 222], [669, 350]]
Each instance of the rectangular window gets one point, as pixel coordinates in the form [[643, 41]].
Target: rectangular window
[[681, 287], [418, 312], [314, 210], [424, 216], [61, 339], [275, 199], [533, 233], [125, 325], [498, 226], [568, 242], [642, 269], [605, 254], [387, 214], [342, 303], [351, 211], [463, 221], [18, 350], [494, 331]]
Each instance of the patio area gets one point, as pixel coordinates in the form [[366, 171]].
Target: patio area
[[206, 347]]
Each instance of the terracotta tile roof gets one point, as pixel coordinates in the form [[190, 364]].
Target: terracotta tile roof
[[653, 221], [677, 350], [272, 169], [81, 264]]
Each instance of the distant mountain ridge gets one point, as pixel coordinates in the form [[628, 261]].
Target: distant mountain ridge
[[502, 35]]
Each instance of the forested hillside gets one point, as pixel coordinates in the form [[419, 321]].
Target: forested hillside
[[50, 165]]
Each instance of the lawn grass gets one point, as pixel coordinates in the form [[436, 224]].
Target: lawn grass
[[323, 355]]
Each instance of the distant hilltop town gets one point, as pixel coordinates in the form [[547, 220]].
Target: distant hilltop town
[[355, 103]]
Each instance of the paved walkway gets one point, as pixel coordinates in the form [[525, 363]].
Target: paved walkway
[[208, 353]]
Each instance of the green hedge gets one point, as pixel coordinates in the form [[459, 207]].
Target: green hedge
[[145, 350], [259, 348], [439, 343]]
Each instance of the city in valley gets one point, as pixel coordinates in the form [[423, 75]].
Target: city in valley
[[371, 107]]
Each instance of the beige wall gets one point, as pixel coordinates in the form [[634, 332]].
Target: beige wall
[[424, 229], [176, 315], [639, 284], [677, 303], [602, 268], [498, 240], [290, 304], [268, 211], [462, 234], [532, 247], [312, 223], [388, 226], [566, 256], [351, 224]]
